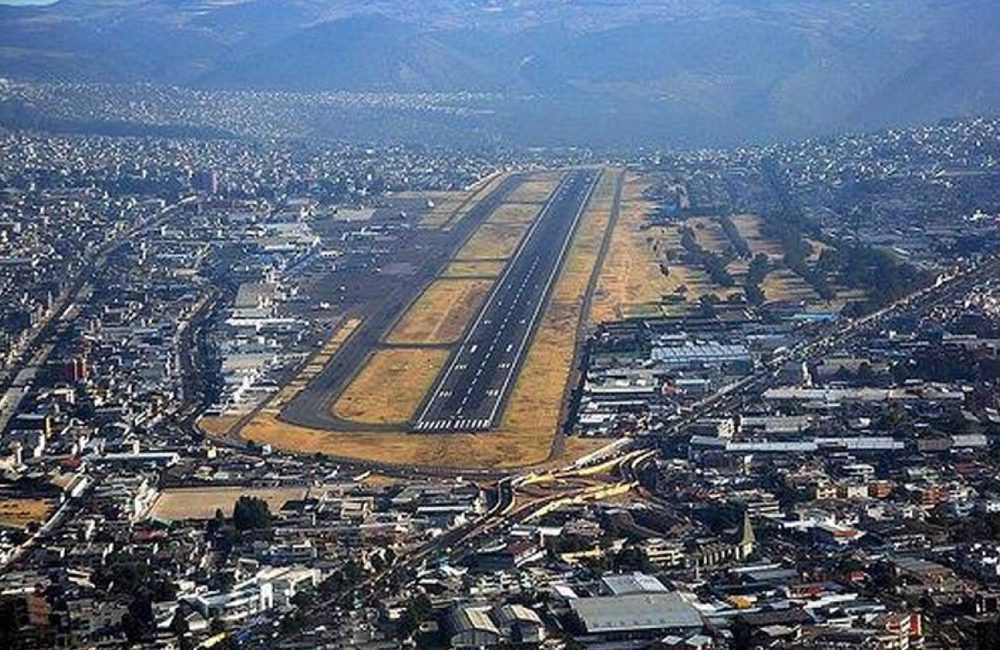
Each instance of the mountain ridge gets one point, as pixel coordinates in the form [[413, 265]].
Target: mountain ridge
[[780, 68]]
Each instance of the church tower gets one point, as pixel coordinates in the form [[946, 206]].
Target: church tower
[[745, 546]]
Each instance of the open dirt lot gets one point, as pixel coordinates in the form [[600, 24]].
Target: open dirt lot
[[441, 313], [201, 503], [18, 513], [390, 386]]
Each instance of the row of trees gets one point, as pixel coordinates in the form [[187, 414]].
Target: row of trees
[[716, 264], [713, 263], [758, 269], [883, 278], [739, 244], [858, 266]]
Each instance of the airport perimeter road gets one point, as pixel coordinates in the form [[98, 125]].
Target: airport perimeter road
[[469, 394]]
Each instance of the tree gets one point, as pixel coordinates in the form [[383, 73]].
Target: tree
[[303, 599], [217, 625], [688, 240], [179, 625], [217, 523], [251, 513], [132, 628], [735, 238], [865, 376], [707, 303], [630, 559], [417, 610], [758, 268]]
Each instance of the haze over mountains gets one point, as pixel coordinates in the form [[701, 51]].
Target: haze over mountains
[[622, 71]]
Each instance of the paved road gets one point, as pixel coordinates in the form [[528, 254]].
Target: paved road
[[469, 394]]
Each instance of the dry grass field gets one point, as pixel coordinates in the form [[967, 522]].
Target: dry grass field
[[390, 386], [515, 213], [749, 227], [631, 282], [18, 513], [218, 425], [537, 189], [493, 241], [201, 503], [708, 233], [531, 421], [441, 313], [484, 269], [783, 284], [498, 449], [445, 205]]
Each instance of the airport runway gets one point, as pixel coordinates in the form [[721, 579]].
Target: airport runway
[[469, 395], [311, 407]]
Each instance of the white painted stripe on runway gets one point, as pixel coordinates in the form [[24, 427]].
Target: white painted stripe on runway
[[548, 285], [495, 294]]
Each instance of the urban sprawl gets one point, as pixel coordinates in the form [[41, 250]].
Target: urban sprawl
[[766, 409]]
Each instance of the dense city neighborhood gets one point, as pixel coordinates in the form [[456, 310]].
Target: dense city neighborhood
[[777, 423]]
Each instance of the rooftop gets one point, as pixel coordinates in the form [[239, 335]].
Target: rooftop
[[635, 612]]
